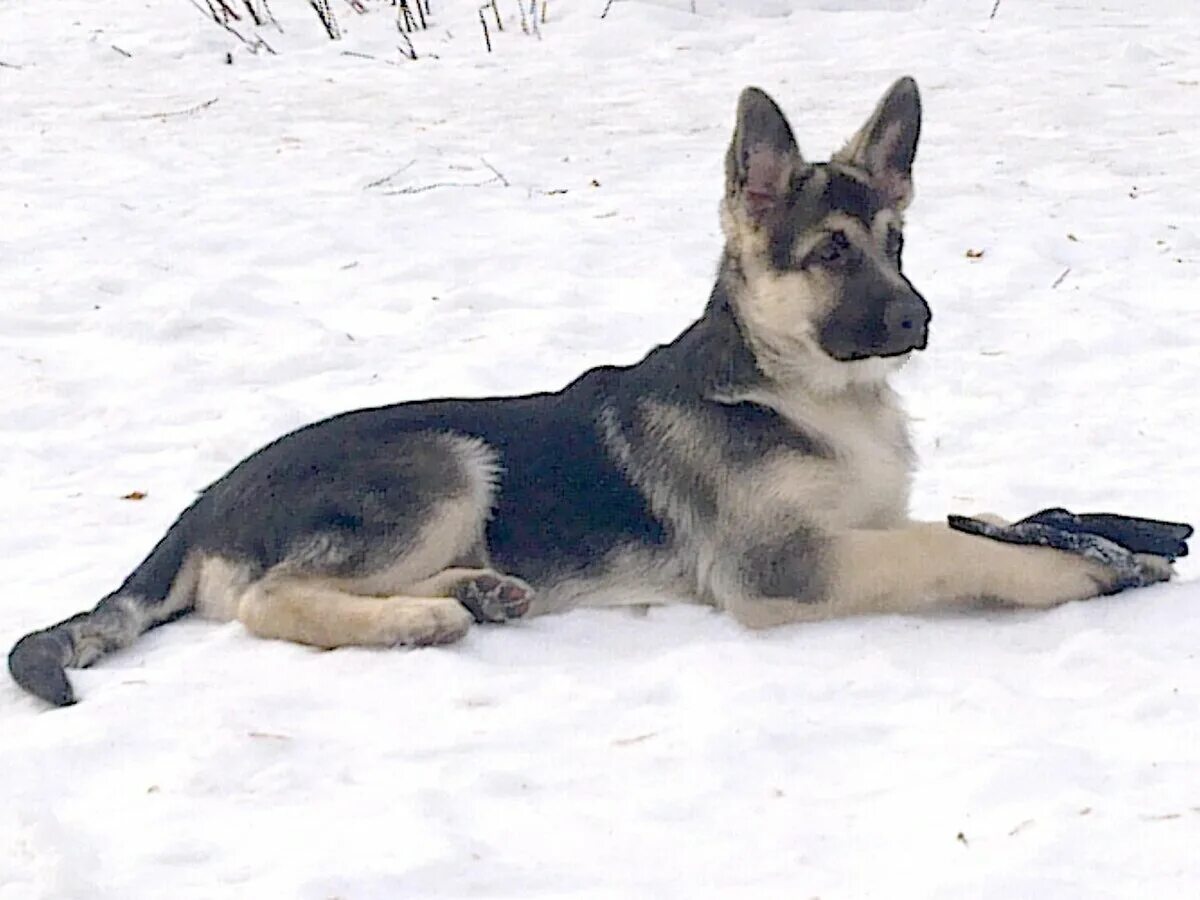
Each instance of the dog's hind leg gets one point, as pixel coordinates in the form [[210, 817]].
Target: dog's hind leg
[[438, 610], [411, 568], [488, 595], [308, 611]]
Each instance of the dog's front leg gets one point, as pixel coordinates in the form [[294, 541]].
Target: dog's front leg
[[911, 569]]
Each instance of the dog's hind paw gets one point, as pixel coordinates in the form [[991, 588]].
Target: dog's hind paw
[[494, 598]]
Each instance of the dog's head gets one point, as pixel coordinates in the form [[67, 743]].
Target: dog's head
[[815, 248]]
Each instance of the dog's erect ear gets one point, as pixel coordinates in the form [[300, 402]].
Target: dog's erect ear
[[886, 145], [762, 159]]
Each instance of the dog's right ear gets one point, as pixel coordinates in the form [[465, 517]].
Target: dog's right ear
[[762, 160]]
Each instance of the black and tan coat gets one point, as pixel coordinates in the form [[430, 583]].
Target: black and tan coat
[[759, 463]]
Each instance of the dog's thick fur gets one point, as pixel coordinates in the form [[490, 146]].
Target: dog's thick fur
[[758, 463]]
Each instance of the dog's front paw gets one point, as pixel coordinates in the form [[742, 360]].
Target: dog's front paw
[[1085, 574], [1124, 569], [1154, 569], [1111, 566]]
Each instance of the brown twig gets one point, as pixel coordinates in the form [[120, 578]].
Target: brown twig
[[181, 112], [411, 51], [368, 56], [124, 53], [607, 7], [210, 12], [487, 38], [1059, 279], [254, 16], [422, 188], [380, 182], [226, 9], [995, 9], [270, 15], [499, 175], [405, 17], [534, 27], [325, 14], [497, 178]]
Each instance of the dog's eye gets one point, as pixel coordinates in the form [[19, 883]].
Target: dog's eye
[[833, 250]]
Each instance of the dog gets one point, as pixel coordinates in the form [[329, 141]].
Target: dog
[[759, 463]]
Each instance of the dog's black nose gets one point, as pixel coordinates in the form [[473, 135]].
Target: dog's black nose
[[907, 320]]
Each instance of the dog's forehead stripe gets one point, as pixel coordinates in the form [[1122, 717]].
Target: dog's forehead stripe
[[848, 194]]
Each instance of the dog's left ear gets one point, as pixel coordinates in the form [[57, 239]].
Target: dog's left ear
[[886, 146]]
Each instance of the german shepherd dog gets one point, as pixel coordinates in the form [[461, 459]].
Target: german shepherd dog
[[759, 463]]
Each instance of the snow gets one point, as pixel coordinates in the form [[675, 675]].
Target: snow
[[181, 284]]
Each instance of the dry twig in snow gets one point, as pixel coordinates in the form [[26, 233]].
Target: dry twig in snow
[[182, 112]]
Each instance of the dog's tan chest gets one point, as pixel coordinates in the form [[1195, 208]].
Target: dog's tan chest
[[863, 479], [875, 487]]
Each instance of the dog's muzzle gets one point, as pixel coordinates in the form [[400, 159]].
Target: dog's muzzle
[[907, 323]]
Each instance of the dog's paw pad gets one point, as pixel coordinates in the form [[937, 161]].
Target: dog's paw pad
[[494, 598]]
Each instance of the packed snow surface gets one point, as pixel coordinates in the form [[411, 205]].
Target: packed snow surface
[[202, 247]]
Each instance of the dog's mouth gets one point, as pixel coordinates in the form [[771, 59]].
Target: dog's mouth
[[891, 330], [885, 351]]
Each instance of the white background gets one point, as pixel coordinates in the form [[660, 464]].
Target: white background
[[175, 290]]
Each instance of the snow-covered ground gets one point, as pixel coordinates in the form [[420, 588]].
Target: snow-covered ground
[[196, 256]]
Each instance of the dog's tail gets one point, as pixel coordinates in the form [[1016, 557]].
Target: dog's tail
[[162, 588]]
